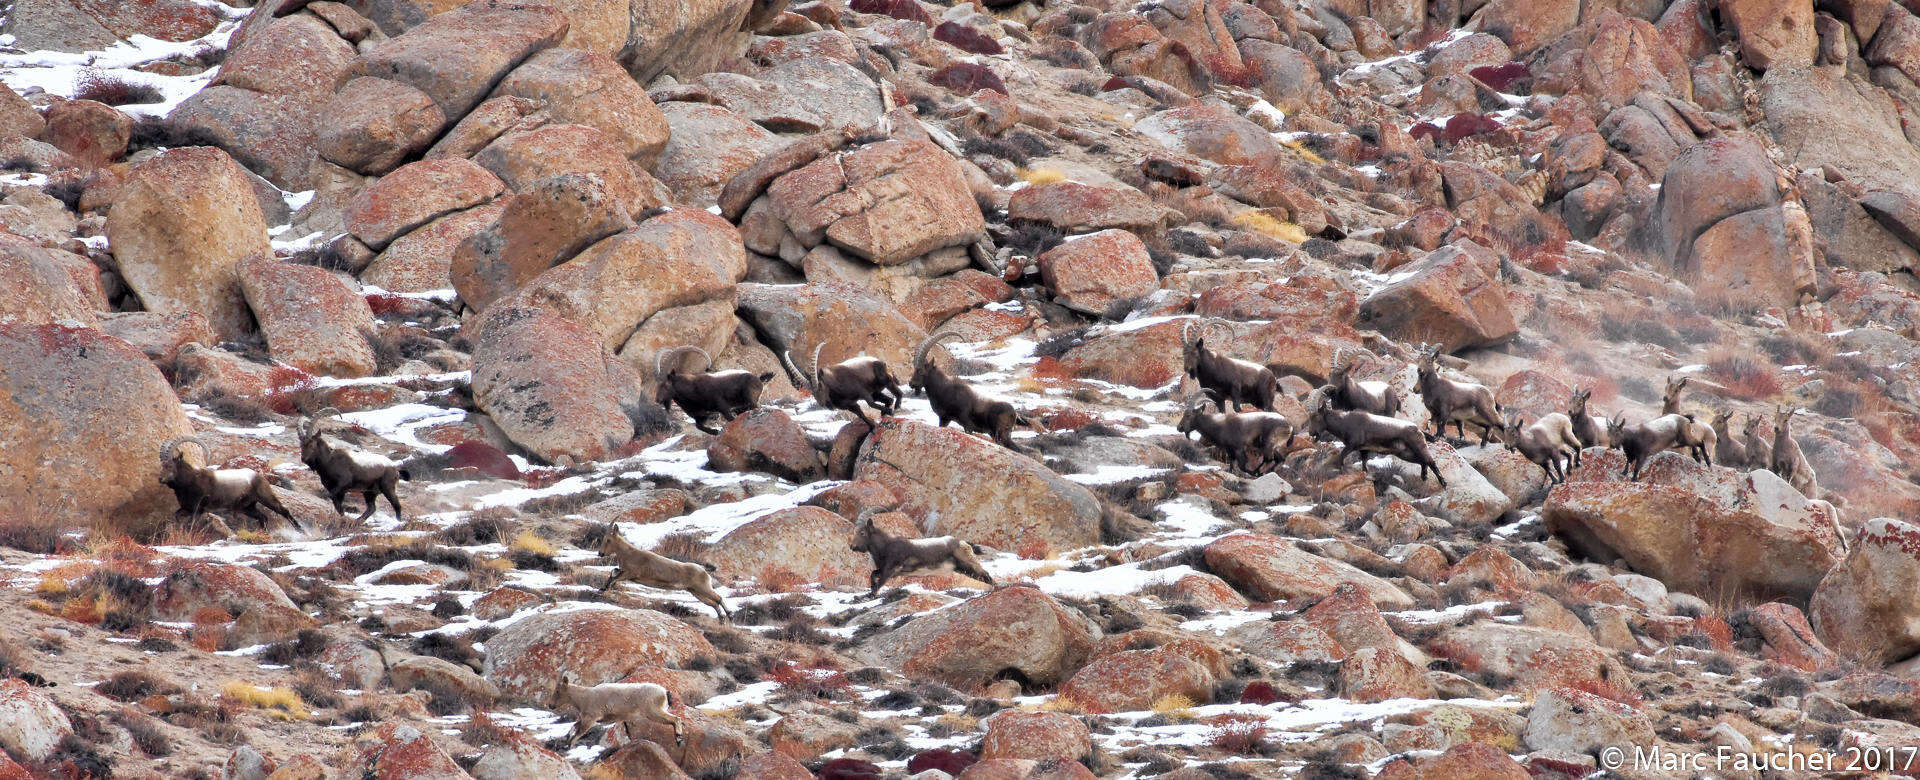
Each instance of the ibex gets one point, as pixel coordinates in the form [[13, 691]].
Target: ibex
[[1226, 379], [344, 468], [658, 571], [1346, 393], [1549, 442], [1788, 461], [201, 489], [1728, 449], [1250, 440], [1592, 431], [1670, 400], [623, 703], [845, 384], [1759, 447], [953, 400], [1454, 402], [895, 555], [704, 394], [1641, 441], [1362, 432]]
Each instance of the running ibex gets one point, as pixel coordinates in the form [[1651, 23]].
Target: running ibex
[[1361, 432], [845, 384], [200, 489], [344, 468], [894, 555], [1250, 440], [953, 400], [704, 394], [658, 571], [623, 703]]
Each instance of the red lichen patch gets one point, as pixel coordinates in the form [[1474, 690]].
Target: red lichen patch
[[1239, 735], [1466, 125], [967, 38], [1500, 77], [898, 9], [1263, 692], [967, 78], [484, 458]]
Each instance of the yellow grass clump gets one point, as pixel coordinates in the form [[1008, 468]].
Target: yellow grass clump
[[279, 702], [1038, 176], [1175, 706], [530, 542], [1260, 222], [1302, 150]]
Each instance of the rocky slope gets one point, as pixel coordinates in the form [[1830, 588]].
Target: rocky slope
[[469, 231]]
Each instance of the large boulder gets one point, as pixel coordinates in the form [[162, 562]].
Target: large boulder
[[1269, 568], [1576, 721], [94, 25], [271, 134], [182, 222], [1076, 208], [971, 644], [887, 202], [82, 418], [553, 389], [767, 440], [372, 125], [684, 39], [708, 145], [31, 723], [1724, 229], [594, 646], [1698, 529], [311, 319], [958, 484], [1611, 59], [544, 224], [1864, 606], [522, 157], [456, 57], [1091, 273], [1448, 298], [1771, 33], [401, 751], [799, 318], [415, 194], [191, 587], [422, 260], [589, 88], [1133, 680], [18, 118], [38, 286], [1210, 132], [1536, 657], [1035, 735], [1804, 108], [793, 546]]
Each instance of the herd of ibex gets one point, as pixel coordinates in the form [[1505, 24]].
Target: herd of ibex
[[342, 468]]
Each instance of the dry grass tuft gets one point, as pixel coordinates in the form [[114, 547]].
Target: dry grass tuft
[[530, 542], [1261, 222], [281, 703], [1039, 176], [1174, 706]]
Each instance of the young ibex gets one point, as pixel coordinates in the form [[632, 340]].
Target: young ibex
[[895, 555], [623, 703], [1549, 442], [1641, 441], [845, 384], [1670, 400], [201, 489], [1728, 449], [344, 468], [1788, 461], [704, 394], [1362, 432], [953, 400], [1592, 431], [1454, 402], [658, 571], [1226, 379], [1759, 447], [1346, 393], [1251, 440]]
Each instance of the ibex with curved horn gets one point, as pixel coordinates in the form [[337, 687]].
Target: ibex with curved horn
[[1344, 392], [1226, 379], [1250, 440], [201, 489], [344, 468], [704, 394], [845, 384], [896, 555], [953, 400], [1450, 401], [1362, 432]]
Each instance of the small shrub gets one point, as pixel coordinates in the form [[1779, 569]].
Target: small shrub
[[1261, 222], [528, 541], [145, 731], [112, 90], [1240, 736], [966, 38], [1039, 176], [130, 686], [1262, 692], [1175, 706], [281, 703], [993, 147]]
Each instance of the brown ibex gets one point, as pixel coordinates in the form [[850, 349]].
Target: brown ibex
[[1670, 400], [1641, 441], [344, 468], [1361, 432], [1592, 431], [1454, 402], [1347, 393], [704, 394], [1728, 449], [1549, 442], [1250, 440], [953, 400], [894, 555], [1226, 379], [623, 703], [1788, 461], [201, 489], [845, 384], [1759, 447], [658, 571]]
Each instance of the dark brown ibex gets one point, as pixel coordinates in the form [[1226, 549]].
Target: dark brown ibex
[[1592, 431], [1644, 440], [1348, 394], [658, 571], [1448, 401], [1250, 440], [1226, 379], [1549, 442], [704, 394], [1788, 461], [845, 384], [953, 400], [895, 555], [1361, 432], [344, 468], [201, 489]]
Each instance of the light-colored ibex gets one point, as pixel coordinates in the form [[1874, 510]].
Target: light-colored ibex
[[1344, 392], [201, 489], [1549, 442], [1728, 449], [1592, 431], [1759, 446], [658, 571], [623, 703], [1670, 400], [1450, 401], [1788, 461]]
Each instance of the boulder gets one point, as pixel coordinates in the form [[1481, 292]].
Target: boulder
[[708, 145], [971, 644], [194, 585], [958, 484], [1446, 298], [488, 121], [438, 674], [372, 125], [18, 118], [835, 93], [1349, 617], [684, 40], [802, 545], [1862, 607], [805, 736], [295, 56], [415, 194], [272, 134], [456, 57], [1210, 132], [1371, 674], [1789, 639], [93, 25], [1536, 657], [82, 419], [765, 440], [522, 157], [1268, 568], [182, 222], [544, 224], [799, 318], [422, 260], [31, 723], [1133, 680], [513, 759], [1699, 530], [1035, 735], [94, 133], [1078, 208], [159, 336], [772, 765], [1580, 722], [1612, 59], [1477, 760], [312, 321], [887, 202], [588, 88], [643, 758], [37, 287], [1527, 24], [1093, 272], [1288, 642], [554, 390], [525, 661], [1771, 33], [399, 751]]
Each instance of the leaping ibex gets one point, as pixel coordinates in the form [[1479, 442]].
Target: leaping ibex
[[704, 394], [344, 468], [845, 384]]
